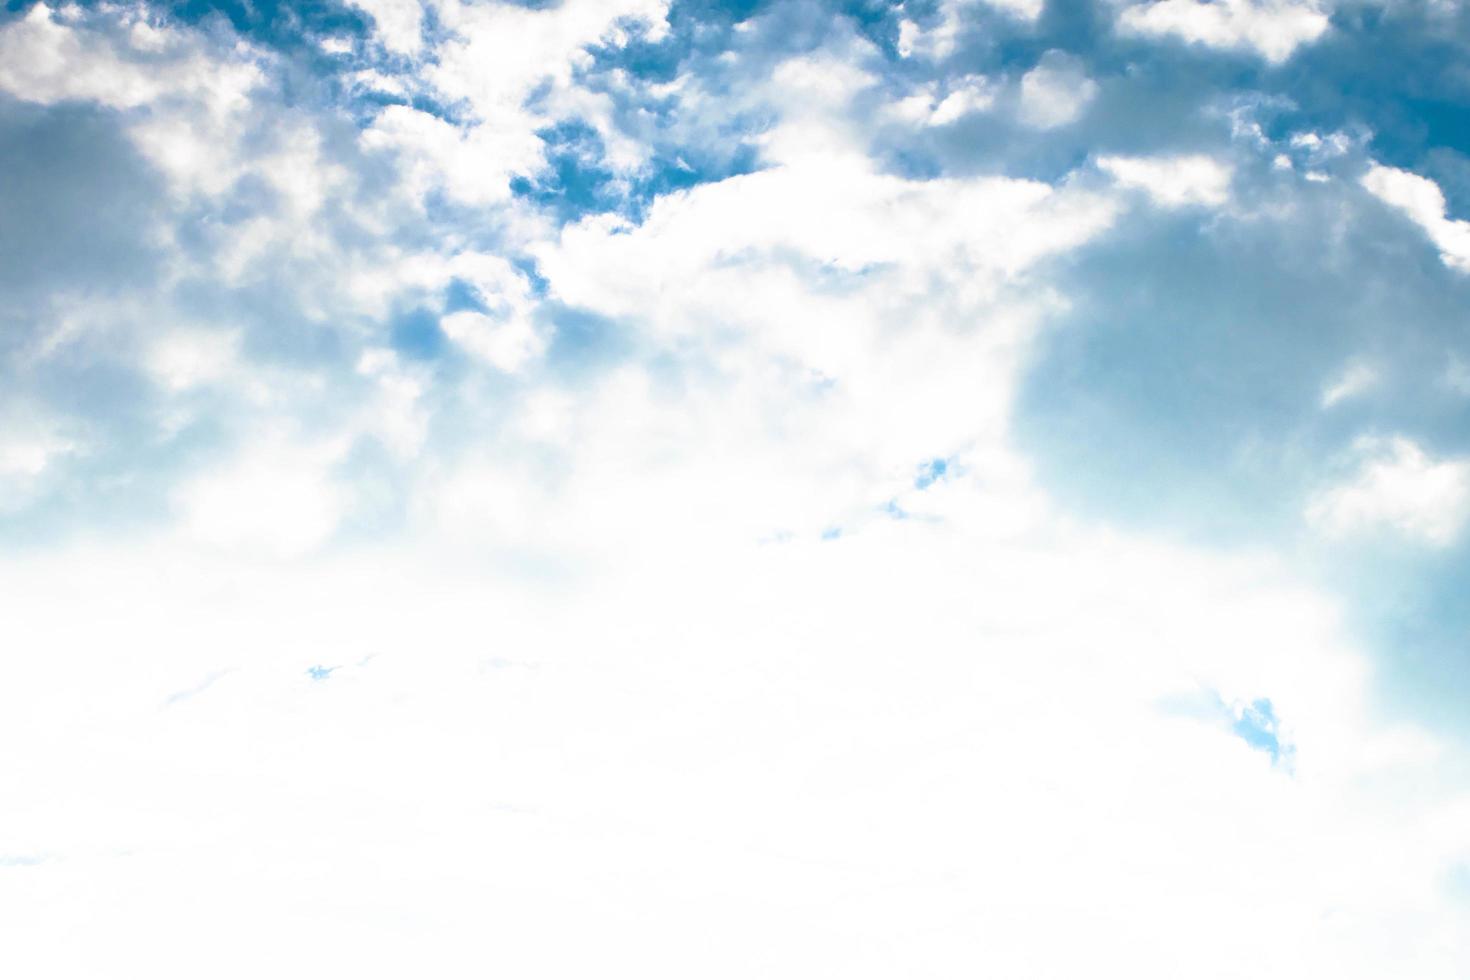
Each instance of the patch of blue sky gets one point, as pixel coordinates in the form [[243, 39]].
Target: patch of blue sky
[[364, 104], [876, 20], [694, 28], [288, 25], [578, 182], [717, 11], [1400, 72], [583, 342], [461, 295], [527, 267], [1257, 726], [678, 169], [578, 179], [415, 333], [1254, 722], [930, 473]]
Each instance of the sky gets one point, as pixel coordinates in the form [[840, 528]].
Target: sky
[[666, 488]]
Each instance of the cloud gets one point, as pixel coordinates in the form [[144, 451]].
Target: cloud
[[922, 677], [277, 498], [510, 69], [574, 468], [973, 93], [31, 446], [51, 56], [1354, 380], [473, 166], [508, 346], [1397, 486], [185, 359], [1173, 182], [1055, 92], [1273, 29], [1421, 200], [397, 23], [939, 37]]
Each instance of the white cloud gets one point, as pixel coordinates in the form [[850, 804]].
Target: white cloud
[[398, 23], [841, 213], [907, 351], [1354, 380], [1271, 28], [611, 678], [910, 36], [1401, 487], [811, 94], [1054, 93], [397, 416], [507, 344], [183, 359], [1319, 148], [199, 160], [960, 98], [276, 498], [31, 445], [1423, 202], [939, 40], [1028, 10], [44, 59], [495, 58], [1173, 182], [473, 166], [28, 455], [892, 734]]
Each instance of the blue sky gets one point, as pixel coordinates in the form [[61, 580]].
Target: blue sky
[[795, 487]]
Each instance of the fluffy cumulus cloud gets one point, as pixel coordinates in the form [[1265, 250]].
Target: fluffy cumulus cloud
[[1172, 182], [1055, 92], [1421, 201], [1273, 30], [1398, 486], [681, 488]]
